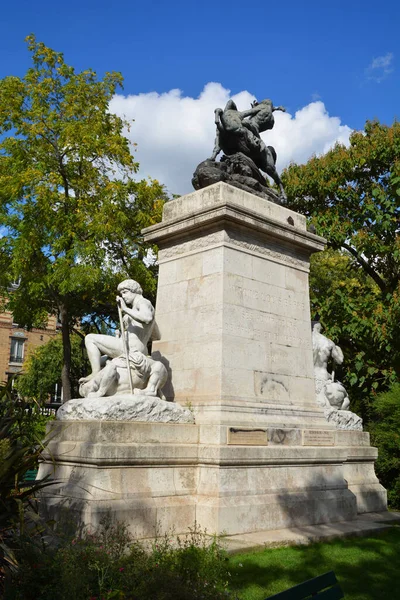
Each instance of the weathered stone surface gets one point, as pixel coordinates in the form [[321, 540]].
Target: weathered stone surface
[[159, 475], [209, 198], [318, 437], [233, 308], [124, 408], [344, 419]]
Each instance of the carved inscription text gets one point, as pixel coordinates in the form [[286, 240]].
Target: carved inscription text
[[318, 437]]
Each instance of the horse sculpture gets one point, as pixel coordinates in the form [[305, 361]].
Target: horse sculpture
[[240, 132]]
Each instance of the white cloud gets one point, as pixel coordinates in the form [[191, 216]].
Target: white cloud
[[380, 67], [175, 133]]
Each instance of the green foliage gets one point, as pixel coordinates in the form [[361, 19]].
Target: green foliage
[[67, 196], [107, 563], [42, 370], [352, 196], [351, 308], [19, 453], [385, 434]]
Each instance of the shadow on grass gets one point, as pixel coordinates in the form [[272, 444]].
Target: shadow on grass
[[367, 568]]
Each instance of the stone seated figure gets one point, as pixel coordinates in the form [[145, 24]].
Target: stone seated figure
[[125, 383], [331, 394], [145, 375]]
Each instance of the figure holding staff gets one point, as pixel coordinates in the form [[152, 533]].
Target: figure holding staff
[[130, 367], [124, 341]]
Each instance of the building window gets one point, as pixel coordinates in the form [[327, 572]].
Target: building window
[[17, 350]]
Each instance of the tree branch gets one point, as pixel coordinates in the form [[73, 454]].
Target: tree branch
[[367, 267], [81, 335]]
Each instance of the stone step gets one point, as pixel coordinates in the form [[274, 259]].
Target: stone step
[[362, 525]]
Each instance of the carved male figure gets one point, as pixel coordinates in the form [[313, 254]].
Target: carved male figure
[[324, 350], [261, 116], [148, 375], [138, 321]]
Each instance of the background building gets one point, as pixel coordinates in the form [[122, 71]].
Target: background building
[[16, 343]]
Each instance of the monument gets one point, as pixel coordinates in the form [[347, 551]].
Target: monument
[[243, 444]]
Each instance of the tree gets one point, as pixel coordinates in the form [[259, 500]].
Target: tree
[[385, 433], [68, 201], [43, 369], [349, 304], [352, 197]]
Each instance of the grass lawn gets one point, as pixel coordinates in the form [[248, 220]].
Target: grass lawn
[[366, 568]]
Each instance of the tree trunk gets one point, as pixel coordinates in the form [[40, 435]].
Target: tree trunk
[[66, 369]]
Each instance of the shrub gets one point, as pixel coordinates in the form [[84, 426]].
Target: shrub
[[385, 434], [107, 564], [18, 454]]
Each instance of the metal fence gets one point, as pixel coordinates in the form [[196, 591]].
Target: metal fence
[[49, 409]]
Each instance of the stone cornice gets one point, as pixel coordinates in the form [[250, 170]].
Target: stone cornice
[[223, 214]]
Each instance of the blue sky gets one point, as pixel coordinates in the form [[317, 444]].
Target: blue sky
[[332, 64]]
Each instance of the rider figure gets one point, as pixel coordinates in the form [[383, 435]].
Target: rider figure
[[239, 132], [248, 123], [261, 116]]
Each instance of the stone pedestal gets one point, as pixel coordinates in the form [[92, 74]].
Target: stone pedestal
[[233, 312], [157, 477], [233, 308]]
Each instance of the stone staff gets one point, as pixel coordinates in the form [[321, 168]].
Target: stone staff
[[125, 343]]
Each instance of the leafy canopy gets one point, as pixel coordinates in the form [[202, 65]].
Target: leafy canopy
[[42, 370], [69, 205], [67, 196], [352, 197], [385, 432]]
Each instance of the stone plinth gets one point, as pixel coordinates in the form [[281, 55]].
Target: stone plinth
[[124, 407], [233, 312], [158, 476], [145, 474], [233, 308]]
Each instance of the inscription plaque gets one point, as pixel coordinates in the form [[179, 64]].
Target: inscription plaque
[[318, 437], [247, 437]]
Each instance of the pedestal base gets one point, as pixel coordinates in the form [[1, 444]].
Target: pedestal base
[[156, 477], [124, 407]]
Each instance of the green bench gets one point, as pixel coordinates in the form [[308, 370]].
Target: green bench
[[30, 476], [325, 586]]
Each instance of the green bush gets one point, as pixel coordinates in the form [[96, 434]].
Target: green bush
[[107, 564], [43, 368], [385, 434], [19, 452]]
